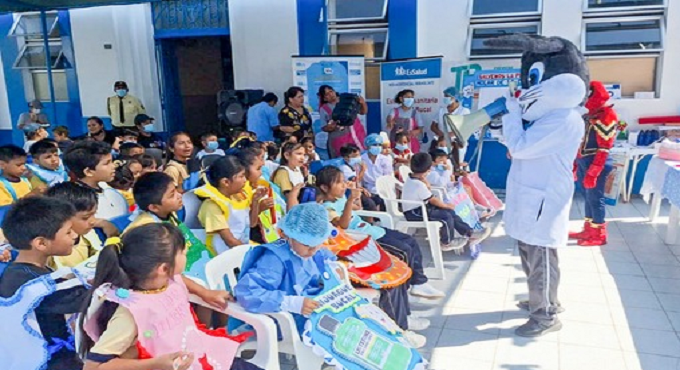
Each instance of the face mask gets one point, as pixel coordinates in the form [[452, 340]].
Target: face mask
[[212, 145], [114, 152], [149, 127], [121, 92], [129, 142], [444, 149], [440, 168], [354, 161], [375, 150], [35, 110], [408, 102], [401, 147]]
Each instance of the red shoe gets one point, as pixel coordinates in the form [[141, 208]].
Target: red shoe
[[583, 233], [597, 237]]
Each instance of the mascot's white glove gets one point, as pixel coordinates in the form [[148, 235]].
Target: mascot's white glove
[[512, 104]]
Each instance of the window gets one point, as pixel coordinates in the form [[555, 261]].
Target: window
[[32, 59], [485, 8], [356, 10], [371, 43], [622, 4], [623, 35], [635, 73], [481, 32]]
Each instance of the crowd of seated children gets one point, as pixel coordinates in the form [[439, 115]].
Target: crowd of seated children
[[130, 150], [148, 163], [61, 136], [310, 150], [271, 162], [84, 200], [40, 229], [377, 164], [146, 264], [127, 171], [418, 189], [180, 150], [13, 184], [46, 169], [34, 133], [292, 170], [354, 170], [226, 212], [402, 151], [210, 146]]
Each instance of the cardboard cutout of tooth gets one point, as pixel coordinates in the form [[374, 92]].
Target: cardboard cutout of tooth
[[351, 333]]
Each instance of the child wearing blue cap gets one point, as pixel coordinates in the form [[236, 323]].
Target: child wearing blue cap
[[281, 275]]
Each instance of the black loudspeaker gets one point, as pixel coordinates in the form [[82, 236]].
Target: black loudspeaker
[[233, 107], [346, 110]]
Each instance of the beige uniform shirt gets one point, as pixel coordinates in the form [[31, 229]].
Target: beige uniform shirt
[[131, 108]]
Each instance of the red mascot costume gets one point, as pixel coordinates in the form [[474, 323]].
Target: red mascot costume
[[593, 164]]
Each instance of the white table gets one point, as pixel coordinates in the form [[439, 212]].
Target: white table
[[661, 181], [633, 155]]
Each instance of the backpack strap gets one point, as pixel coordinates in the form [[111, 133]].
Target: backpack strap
[[396, 113]]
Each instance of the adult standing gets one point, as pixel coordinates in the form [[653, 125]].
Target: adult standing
[[451, 106], [147, 138], [339, 136], [294, 118], [405, 118], [34, 115], [594, 164], [123, 107], [262, 118]]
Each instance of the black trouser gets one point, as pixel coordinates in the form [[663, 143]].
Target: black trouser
[[407, 249], [452, 222], [372, 203], [394, 301]]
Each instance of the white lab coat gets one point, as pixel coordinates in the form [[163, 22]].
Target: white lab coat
[[540, 184]]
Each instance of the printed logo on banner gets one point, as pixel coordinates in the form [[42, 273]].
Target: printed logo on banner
[[355, 72], [328, 71], [408, 70], [299, 64], [300, 73], [614, 91], [356, 91]]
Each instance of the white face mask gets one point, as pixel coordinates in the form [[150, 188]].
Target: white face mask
[[408, 102], [35, 110], [448, 100]]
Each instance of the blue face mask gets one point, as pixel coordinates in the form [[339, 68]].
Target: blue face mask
[[121, 92], [401, 147], [114, 153], [440, 168], [149, 127], [212, 145], [375, 150], [444, 149], [448, 100], [408, 102], [354, 161]]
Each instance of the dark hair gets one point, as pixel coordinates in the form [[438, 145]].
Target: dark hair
[[398, 136], [224, 168], [9, 152], [85, 154], [248, 157], [434, 154], [61, 130], [291, 92], [288, 147], [421, 163], [400, 95], [207, 135], [128, 265], [83, 198], [328, 176], [149, 189], [96, 119], [270, 97], [123, 178], [322, 94], [146, 160], [171, 143], [35, 217], [435, 143], [33, 134], [272, 150], [125, 149], [307, 139], [349, 149]]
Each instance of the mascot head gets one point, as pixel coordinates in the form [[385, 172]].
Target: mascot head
[[598, 96], [554, 73]]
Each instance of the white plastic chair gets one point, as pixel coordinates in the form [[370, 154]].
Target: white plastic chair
[[387, 186], [226, 264], [404, 171], [112, 204], [192, 204]]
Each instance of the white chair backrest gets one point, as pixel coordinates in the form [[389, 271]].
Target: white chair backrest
[[404, 171], [387, 189], [192, 203], [112, 204], [223, 265]]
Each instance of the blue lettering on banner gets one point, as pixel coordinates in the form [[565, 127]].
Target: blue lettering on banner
[[410, 70], [355, 72], [300, 73], [356, 91]]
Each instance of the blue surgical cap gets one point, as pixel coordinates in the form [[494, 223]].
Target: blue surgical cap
[[373, 139], [308, 224], [451, 91]]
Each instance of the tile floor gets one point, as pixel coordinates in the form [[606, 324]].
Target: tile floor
[[622, 304]]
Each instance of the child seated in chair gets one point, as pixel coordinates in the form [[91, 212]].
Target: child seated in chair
[[210, 146], [13, 184], [418, 189], [46, 169]]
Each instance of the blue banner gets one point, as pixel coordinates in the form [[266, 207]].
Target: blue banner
[[411, 69]]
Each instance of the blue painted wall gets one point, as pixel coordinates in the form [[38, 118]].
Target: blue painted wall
[[68, 113], [312, 33], [402, 16]]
